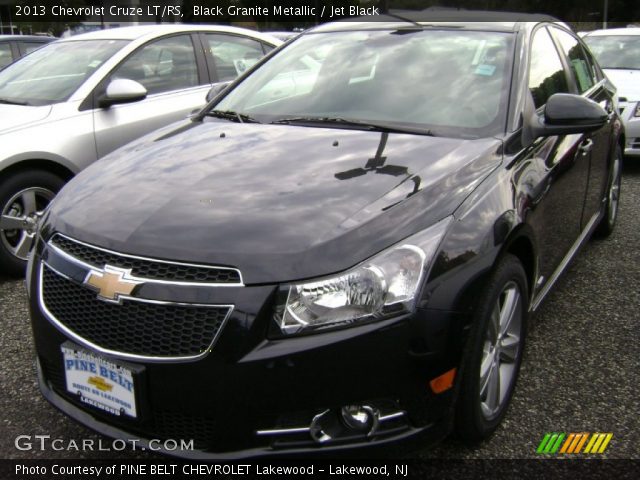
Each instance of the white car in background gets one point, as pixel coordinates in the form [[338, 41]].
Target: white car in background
[[75, 100], [618, 53]]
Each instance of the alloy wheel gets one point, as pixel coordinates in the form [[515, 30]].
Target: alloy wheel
[[614, 190], [501, 350], [20, 218]]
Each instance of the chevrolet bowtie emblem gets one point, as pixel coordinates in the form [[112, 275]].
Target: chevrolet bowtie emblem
[[100, 383], [111, 283]]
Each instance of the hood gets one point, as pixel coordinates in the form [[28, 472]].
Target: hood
[[627, 83], [278, 202], [14, 116]]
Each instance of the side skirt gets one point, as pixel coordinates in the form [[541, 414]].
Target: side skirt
[[584, 236]]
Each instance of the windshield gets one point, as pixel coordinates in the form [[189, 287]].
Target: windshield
[[447, 82], [616, 51], [52, 73]]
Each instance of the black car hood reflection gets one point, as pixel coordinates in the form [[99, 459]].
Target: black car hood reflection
[[281, 203]]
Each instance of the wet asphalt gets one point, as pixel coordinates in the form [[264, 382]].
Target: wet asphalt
[[581, 368]]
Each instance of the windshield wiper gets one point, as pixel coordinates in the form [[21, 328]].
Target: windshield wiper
[[7, 101], [358, 124], [231, 115]]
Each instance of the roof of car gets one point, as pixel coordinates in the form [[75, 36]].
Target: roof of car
[[30, 38], [614, 31], [150, 31], [452, 18]]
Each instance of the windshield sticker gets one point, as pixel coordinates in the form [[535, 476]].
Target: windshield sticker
[[486, 70]]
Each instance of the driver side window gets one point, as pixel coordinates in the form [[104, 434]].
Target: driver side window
[[162, 66], [546, 74]]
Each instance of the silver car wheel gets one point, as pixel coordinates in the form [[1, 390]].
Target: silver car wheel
[[501, 350], [614, 189], [20, 218]]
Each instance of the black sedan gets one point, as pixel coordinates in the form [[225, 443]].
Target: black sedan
[[342, 249]]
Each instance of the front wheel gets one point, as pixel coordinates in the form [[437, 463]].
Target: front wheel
[[492, 362], [608, 222], [23, 198]]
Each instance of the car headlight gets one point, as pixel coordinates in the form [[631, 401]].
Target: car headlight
[[636, 112], [384, 285]]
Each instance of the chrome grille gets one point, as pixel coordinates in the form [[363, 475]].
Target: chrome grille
[[139, 328], [146, 268]]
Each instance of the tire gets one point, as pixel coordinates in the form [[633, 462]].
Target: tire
[[23, 196], [494, 354], [608, 221]]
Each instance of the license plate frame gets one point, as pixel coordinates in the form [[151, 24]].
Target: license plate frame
[[102, 383]]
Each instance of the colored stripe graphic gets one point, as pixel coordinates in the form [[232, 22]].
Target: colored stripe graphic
[[543, 443], [598, 443], [581, 442], [550, 443], [573, 443]]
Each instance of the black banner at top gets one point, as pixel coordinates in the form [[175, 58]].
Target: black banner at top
[[305, 12]]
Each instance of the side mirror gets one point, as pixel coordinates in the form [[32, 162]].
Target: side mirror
[[122, 90], [216, 89], [565, 114]]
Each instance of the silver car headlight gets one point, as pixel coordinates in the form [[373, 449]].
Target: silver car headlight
[[384, 285], [636, 112]]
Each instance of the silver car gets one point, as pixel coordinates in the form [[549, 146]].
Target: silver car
[[618, 52], [75, 100]]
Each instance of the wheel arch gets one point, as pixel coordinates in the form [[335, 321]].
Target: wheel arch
[[520, 243], [60, 167]]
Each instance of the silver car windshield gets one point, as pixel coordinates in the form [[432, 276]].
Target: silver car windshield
[[445, 82], [52, 73], [616, 51]]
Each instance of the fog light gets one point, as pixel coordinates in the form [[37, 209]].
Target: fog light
[[339, 424], [361, 418]]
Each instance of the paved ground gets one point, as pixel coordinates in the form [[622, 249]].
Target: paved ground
[[581, 369]]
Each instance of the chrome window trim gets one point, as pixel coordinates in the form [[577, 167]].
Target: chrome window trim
[[123, 355], [147, 259]]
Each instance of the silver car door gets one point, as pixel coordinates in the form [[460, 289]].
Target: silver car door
[[168, 69]]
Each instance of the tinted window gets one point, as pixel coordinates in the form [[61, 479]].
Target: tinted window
[[161, 66], [580, 67], [5, 54], [592, 62], [232, 55], [546, 75], [453, 83]]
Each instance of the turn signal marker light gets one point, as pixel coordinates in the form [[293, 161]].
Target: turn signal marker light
[[444, 382]]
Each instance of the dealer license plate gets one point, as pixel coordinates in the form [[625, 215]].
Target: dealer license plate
[[99, 382]]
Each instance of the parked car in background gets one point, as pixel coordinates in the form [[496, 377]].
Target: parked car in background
[[284, 35], [77, 99], [12, 47], [618, 53], [341, 265]]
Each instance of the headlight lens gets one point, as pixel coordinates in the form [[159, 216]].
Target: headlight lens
[[385, 284], [636, 112]]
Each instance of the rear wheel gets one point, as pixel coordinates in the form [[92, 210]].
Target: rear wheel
[[608, 222], [493, 360], [23, 198]]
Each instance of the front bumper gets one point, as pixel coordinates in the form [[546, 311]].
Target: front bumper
[[632, 129], [253, 396]]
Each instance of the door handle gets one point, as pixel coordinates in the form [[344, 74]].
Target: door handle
[[586, 146]]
